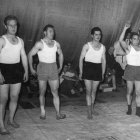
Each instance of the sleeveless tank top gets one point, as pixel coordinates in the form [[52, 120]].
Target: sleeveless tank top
[[133, 57], [47, 54], [10, 54], [93, 55]]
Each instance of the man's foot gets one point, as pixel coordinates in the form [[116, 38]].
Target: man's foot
[[13, 124], [43, 117], [3, 131], [95, 113], [89, 116], [129, 112], [115, 90], [138, 111], [60, 116]]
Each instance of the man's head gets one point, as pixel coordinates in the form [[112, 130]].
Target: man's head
[[10, 23], [111, 50], [49, 31], [96, 34], [134, 38]]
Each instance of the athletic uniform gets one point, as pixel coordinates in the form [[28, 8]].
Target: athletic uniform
[[92, 67], [47, 67], [132, 70], [10, 66]]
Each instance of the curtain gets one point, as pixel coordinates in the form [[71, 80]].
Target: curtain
[[72, 19]]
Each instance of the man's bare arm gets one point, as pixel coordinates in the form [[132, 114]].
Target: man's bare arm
[[61, 57], [83, 53], [38, 46]]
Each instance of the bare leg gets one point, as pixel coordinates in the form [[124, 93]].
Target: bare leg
[[14, 94], [114, 82], [3, 100], [93, 95], [42, 90], [54, 84], [137, 88], [129, 96], [88, 84]]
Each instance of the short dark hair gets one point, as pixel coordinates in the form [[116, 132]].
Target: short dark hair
[[93, 30], [48, 26], [10, 17], [128, 32], [133, 34]]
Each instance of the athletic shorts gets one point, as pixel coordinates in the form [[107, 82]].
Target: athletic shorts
[[47, 71], [92, 71], [132, 73], [12, 73]]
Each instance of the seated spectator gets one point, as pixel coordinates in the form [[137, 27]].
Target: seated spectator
[[70, 79], [110, 76]]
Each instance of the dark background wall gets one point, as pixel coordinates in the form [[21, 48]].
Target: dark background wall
[[73, 20]]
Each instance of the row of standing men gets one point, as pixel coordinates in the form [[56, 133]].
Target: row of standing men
[[92, 71]]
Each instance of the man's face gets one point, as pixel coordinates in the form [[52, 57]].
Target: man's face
[[97, 36], [50, 33], [111, 50], [135, 40], [11, 27]]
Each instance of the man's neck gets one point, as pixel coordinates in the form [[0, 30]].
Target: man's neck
[[10, 35], [48, 40]]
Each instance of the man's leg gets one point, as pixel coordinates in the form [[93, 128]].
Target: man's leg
[[93, 95], [3, 100], [88, 84], [129, 96], [114, 82], [14, 94], [42, 90], [54, 84], [137, 89]]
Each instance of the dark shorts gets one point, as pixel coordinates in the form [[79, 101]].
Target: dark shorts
[[132, 73], [47, 71], [92, 71], [12, 73]]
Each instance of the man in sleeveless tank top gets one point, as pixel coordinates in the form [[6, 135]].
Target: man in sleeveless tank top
[[120, 57], [93, 68], [11, 75], [47, 70], [132, 70]]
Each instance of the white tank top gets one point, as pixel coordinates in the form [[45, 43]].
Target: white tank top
[[47, 54], [93, 55], [10, 53], [133, 57]]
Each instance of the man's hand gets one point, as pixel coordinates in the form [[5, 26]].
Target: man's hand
[[102, 77], [33, 72], [25, 77], [59, 70], [80, 76], [1, 78], [127, 25]]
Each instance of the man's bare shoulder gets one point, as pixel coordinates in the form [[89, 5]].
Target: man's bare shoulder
[[2, 41], [39, 44], [57, 43], [85, 46]]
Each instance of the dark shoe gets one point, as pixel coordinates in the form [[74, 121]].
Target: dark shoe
[[95, 113], [89, 116], [129, 112], [43, 117], [138, 111], [60, 116], [115, 90], [89, 112], [13, 124], [4, 132]]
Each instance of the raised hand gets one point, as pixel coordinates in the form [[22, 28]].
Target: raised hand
[[127, 25]]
